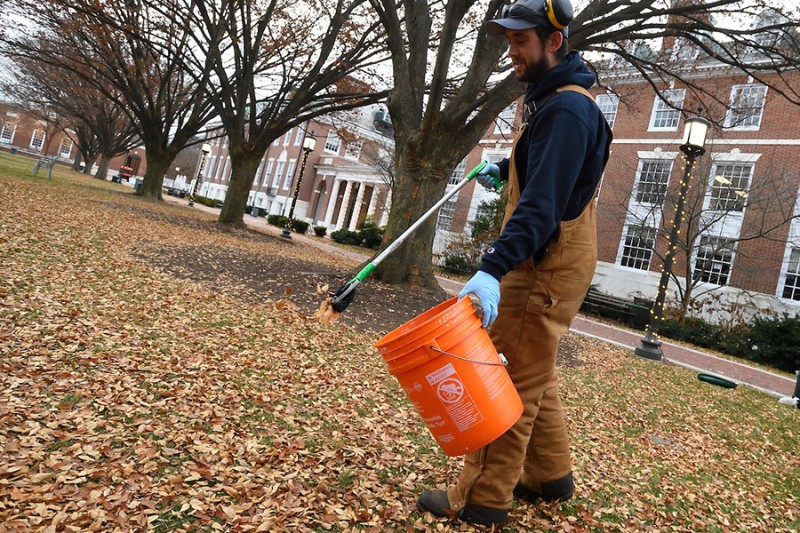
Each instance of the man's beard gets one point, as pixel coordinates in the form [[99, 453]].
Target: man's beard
[[533, 72]]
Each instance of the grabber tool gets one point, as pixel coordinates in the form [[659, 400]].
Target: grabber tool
[[343, 297]]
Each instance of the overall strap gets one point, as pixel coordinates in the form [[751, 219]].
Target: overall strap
[[533, 107]]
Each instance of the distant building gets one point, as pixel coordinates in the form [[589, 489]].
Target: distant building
[[757, 146], [23, 133], [347, 177]]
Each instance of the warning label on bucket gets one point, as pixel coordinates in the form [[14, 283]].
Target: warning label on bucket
[[455, 397]]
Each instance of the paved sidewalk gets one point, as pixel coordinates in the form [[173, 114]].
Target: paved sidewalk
[[768, 382]]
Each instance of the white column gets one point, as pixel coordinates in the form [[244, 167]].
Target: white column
[[385, 214], [373, 202], [357, 208], [332, 202], [343, 209]]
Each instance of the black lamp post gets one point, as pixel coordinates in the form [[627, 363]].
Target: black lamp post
[[694, 139], [309, 143], [204, 151]]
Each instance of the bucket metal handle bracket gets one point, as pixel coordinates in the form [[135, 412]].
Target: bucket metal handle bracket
[[503, 360]]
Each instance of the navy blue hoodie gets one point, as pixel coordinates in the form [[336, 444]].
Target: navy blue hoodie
[[559, 159]]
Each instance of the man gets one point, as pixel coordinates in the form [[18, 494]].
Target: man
[[534, 277]]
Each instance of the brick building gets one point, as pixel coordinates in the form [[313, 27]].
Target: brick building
[[23, 133], [743, 191], [342, 183]]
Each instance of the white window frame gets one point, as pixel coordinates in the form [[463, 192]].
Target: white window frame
[[268, 171], [748, 117], [609, 105], [298, 137], [639, 186], [35, 138], [333, 143], [65, 141], [353, 150], [279, 166], [633, 258], [7, 133], [504, 123], [663, 111], [444, 220], [287, 138], [458, 173], [727, 192], [713, 261], [287, 180], [792, 273]]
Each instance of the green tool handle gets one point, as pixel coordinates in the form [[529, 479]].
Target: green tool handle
[[370, 267]]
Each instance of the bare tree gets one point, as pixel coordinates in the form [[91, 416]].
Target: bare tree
[[276, 66], [450, 81], [129, 54], [80, 106]]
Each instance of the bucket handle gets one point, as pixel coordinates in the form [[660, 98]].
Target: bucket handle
[[503, 360]]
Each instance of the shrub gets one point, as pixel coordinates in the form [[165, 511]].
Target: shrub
[[300, 226], [775, 342], [320, 231], [208, 202], [458, 264], [344, 236], [277, 220], [370, 235]]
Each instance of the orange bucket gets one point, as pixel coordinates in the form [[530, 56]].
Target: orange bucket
[[451, 372]]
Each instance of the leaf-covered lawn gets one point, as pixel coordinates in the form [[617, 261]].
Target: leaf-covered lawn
[[133, 400]]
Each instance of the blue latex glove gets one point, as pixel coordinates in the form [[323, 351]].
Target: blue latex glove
[[484, 177], [487, 289]]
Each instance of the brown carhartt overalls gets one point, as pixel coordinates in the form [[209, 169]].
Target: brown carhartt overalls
[[537, 304]]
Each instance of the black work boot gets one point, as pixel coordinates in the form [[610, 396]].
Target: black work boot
[[559, 490], [436, 503]]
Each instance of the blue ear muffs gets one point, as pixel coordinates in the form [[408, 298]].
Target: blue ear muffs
[[559, 13]]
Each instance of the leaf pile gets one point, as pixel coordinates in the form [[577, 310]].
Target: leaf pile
[[134, 400]]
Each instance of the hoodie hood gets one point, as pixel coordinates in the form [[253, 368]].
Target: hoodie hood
[[572, 70]]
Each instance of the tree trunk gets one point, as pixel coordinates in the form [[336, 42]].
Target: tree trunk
[[102, 167], [76, 164], [419, 183], [244, 165], [158, 163]]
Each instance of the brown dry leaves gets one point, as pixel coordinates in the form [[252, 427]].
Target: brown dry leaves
[[326, 314], [134, 401]]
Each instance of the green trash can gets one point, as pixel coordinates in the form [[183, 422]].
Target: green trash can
[[138, 185]]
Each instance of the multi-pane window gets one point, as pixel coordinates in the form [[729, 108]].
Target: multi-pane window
[[729, 186], [333, 142], [458, 173], [287, 138], [37, 139], [505, 121], [608, 104], [637, 252], [66, 147], [445, 220], [746, 106], [714, 260], [666, 114], [278, 171], [353, 150], [298, 138], [7, 133], [791, 287], [652, 181], [289, 171], [268, 172]]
